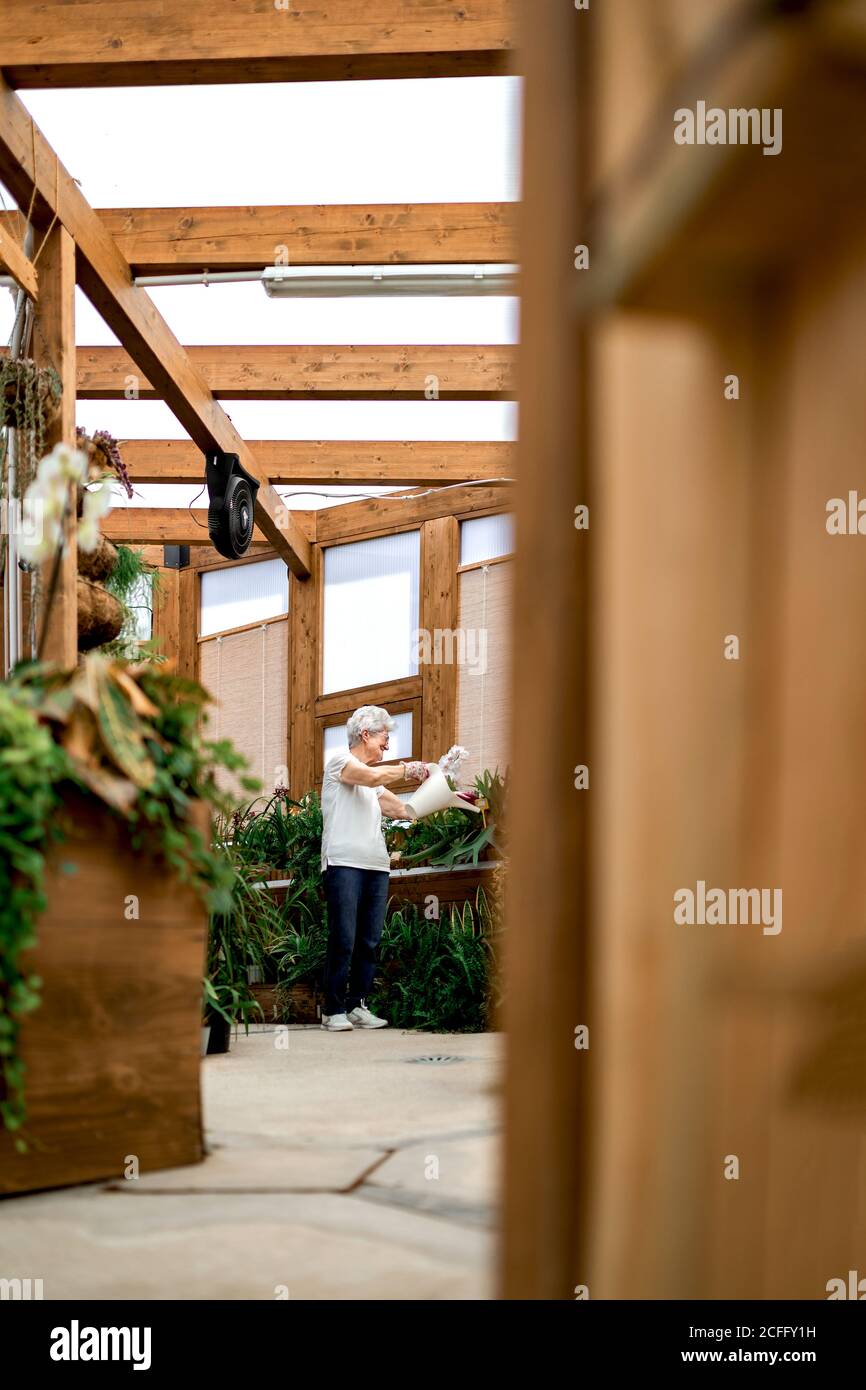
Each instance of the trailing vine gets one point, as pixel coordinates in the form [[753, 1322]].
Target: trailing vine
[[31, 765]]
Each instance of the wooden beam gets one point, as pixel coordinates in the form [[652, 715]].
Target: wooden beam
[[403, 463], [181, 526], [105, 278], [309, 373], [97, 43], [161, 526], [54, 346], [395, 513], [14, 262], [164, 241]]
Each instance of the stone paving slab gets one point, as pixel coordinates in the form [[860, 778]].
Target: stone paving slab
[[324, 1112]]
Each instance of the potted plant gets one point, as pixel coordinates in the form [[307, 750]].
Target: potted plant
[[107, 877]]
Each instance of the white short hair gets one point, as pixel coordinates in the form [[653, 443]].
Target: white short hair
[[370, 719]]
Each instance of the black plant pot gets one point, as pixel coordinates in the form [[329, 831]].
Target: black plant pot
[[220, 1034]]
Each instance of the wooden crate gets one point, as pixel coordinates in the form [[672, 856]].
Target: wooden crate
[[113, 1052]]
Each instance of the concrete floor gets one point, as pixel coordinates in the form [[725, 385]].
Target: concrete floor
[[339, 1168]]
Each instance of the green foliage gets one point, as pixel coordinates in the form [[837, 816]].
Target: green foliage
[[239, 937], [31, 765], [438, 975]]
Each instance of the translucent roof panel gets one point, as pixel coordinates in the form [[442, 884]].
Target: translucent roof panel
[[456, 140]]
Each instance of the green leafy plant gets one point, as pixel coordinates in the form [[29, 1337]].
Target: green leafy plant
[[453, 837], [439, 975], [31, 766]]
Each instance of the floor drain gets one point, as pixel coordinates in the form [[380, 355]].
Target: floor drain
[[436, 1059]]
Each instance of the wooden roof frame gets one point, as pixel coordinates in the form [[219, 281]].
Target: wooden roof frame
[[31, 170], [100, 43], [166, 241]]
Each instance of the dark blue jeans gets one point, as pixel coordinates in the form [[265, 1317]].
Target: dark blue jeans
[[356, 900]]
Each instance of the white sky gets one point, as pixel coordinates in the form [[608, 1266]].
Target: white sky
[[441, 140]]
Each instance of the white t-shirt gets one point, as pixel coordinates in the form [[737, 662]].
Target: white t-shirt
[[351, 820]]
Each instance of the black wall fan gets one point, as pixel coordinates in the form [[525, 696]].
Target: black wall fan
[[231, 504]]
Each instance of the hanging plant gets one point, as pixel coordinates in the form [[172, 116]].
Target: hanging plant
[[29, 401]]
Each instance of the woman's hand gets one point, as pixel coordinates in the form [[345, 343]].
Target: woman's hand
[[417, 772]]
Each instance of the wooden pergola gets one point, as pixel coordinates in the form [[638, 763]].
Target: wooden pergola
[[705, 264]]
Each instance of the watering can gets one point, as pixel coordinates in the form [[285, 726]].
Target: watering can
[[435, 795]]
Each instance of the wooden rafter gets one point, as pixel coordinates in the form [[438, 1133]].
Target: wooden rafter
[[159, 241], [14, 262], [402, 463], [105, 278], [355, 519], [100, 43], [313, 373]]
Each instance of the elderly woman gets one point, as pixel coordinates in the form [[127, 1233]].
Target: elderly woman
[[355, 863]]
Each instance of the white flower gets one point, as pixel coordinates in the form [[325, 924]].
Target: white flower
[[88, 533], [46, 497], [450, 762], [63, 463], [39, 548], [97, 502]]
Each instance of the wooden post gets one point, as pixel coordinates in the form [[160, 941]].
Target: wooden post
[[166, 616], [54, 346], [188, 601], [546, 1156], [304, 622], [440, 540]]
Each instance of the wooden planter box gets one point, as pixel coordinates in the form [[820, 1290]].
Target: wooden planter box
[[458, 885], [113, 1051]]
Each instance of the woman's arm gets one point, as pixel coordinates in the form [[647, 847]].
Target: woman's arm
[[359, 774], [391, 805]]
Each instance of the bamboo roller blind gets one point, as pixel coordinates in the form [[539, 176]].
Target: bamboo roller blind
[[247, 675], [483, 695]]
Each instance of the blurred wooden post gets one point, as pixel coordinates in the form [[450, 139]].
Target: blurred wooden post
[[546, 1141], [54, 346]]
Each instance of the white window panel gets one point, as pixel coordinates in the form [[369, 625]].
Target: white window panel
[[371, 611], [486, 538], [243, 594], [399, 744], [140, 603]]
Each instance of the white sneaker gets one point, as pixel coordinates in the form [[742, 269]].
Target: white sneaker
[[336, 1023], [362, 1018]]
